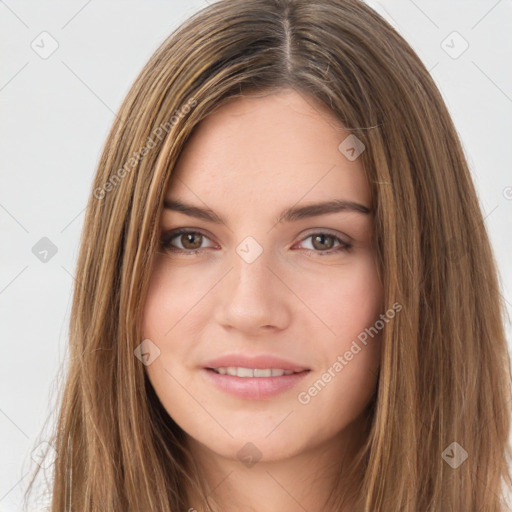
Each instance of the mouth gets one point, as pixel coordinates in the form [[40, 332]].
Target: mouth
[[254, 372], [253, 383]]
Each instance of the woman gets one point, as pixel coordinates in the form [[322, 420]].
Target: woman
[[287, 298]]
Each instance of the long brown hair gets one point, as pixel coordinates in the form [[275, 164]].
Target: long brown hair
[[444, 383]]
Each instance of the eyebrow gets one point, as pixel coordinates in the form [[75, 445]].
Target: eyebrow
[[292, 214]]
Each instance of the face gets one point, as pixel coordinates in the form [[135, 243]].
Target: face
[[241, 291]]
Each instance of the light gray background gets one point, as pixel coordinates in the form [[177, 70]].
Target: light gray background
[[56, 113]]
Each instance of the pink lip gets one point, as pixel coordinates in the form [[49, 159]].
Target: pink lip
[[261, 362], [254, 388]]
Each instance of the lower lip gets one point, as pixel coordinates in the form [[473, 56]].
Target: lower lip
[[254, 388]]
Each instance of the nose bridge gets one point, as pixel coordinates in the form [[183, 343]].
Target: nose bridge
[[252, 295], [251, 263]]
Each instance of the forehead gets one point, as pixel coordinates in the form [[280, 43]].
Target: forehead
[[269, 150]]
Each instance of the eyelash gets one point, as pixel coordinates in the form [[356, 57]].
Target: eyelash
[[166, 240]]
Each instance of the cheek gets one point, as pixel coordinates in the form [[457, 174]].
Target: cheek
[[156, 320], [349, 301], [173, 294], [361, 300], [175, 313], [164, 322], [346, 298], [162, 311]]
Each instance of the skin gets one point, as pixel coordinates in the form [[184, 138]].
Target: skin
[[248, 161]]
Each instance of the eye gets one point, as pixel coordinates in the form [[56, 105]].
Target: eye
[[190, 242], [324, 243]]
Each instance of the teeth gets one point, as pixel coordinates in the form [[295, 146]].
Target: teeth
[[249, 372], [244, 372], [263, 373]]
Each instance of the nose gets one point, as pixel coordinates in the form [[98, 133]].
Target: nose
[[252, 296]]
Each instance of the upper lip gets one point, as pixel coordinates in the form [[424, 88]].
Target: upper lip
[[261, 362]]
